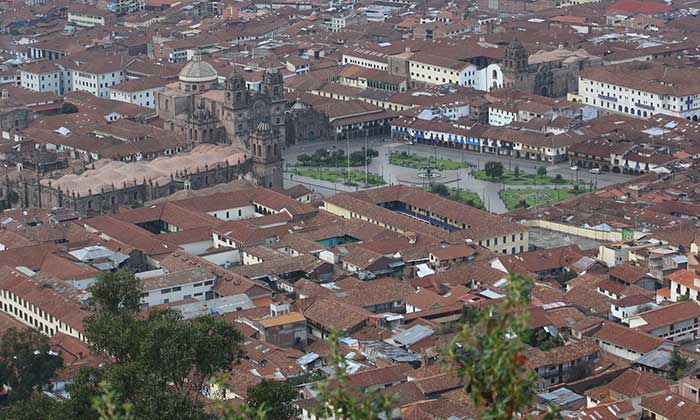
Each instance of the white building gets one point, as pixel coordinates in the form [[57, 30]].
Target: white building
[[88, 17], [432, 69], [366, 58], [196, 283], [642, 89], [140, 92], [41, 304], [92, 73], [43, 76], [501, 115], [684, 283], [678, 322], [625, 342]]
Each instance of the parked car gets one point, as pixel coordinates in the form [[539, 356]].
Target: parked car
[[574, 168], [595, 170]]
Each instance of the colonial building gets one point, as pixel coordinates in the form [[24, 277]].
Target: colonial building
[[642, 90], [235, 115], [546, 73]]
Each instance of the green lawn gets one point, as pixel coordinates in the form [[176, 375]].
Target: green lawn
[[511, 198], [340, 176], [418, 162], [467, 197], [523, 179]]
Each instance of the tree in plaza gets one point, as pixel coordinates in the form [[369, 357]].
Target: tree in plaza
[[542, 171], [493, 169], [558, 179], [276, 398], [516, 172], [489, 355], [26, 365], [440, 189]]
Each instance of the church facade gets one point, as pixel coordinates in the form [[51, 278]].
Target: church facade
[[255, 120], [546, 73]]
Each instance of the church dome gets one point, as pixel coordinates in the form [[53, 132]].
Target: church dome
[[198, 71]]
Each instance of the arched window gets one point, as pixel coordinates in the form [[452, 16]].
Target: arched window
[[494, 74], [267, 151]]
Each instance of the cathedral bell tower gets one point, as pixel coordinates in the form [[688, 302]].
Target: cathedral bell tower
[[201, 125], [266, 150], [273, 89], [237, 95], [515, 61]]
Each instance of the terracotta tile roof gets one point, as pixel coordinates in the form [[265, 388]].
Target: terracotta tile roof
[[627, 273], [335, 315], [685, 278], [44, 295], [669, 314], [633, 383], [671, 406], [453, 252], [567, 353], [628, 338]]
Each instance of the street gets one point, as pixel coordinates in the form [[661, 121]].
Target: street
[[488, 191]]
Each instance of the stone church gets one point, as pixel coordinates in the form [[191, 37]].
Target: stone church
[[546, 73], [254, 120]]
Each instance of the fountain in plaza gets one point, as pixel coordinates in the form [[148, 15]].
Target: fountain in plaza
[[427, 172]]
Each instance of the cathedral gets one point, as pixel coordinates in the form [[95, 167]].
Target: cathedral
[[255, 120]]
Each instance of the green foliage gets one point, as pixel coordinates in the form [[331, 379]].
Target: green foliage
[[337, 401], [542, 171], [25, 362], [116, 292], [677, 365], [565, 276], [107, 407], [542, 340], [341, 176], [161, 361], [467, 197], [336, 158], [559, 179], [38, 407], [276, 398], [440, 189], [683, 298], [489, 356], [516, 172], [513, 198], [419, 162], [68, 108], [493, 169]]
